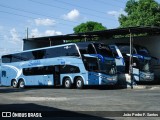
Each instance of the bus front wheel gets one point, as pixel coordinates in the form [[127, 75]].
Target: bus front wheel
[[79, 83], [21, 84], [14, 84], [67, 83]]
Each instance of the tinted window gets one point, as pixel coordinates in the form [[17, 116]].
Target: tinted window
[[103, 50], [16, 57], [143, 51], [38, 70], [91, 49], [69, 50], [69, 69], [91, 64], [114, 50], [50, 70], [126, 49], [6, 58], [39, 54]]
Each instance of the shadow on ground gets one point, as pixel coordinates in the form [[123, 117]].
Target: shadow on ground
[[49, 112]]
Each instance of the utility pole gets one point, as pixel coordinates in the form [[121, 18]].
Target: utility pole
[[131, 60], [27, 34]]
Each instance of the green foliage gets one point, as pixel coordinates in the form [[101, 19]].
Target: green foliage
[[141, 13], [88, 26]]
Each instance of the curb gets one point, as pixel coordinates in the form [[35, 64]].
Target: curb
[[144, 87]]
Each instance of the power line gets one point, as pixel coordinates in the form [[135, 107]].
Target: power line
[[106, 3], [69, 9], [16, 14], [34, 14], [120, 1], [80, 6]]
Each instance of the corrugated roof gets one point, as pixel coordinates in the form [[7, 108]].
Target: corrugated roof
[[103, 33]]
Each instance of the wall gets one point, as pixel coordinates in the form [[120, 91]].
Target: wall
[[33, 44]]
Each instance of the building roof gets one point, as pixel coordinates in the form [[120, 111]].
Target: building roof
[[102, 33]]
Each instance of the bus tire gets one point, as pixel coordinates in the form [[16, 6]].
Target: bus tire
[[21, 84], [14, 84], [79, 83], [67, 83]]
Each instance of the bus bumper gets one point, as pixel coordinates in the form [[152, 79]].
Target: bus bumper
[[110, 80]]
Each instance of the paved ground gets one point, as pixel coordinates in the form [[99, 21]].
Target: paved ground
[[95, 101]]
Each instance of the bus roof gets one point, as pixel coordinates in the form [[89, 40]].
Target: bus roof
[[43, 48]]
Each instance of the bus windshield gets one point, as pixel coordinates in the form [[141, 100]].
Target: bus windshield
[[103, 50], [108, 66], [145, 65], [143, 51], [95, 65]]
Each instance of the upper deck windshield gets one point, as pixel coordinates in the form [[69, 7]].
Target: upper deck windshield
[[95, 48], [125, 49], [142, 51], [103, 50]]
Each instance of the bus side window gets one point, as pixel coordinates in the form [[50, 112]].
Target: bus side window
[[6, 59]]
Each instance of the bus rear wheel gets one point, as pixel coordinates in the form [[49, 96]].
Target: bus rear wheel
[[14, 84], [67, 83], [21, 84], [79, 83]]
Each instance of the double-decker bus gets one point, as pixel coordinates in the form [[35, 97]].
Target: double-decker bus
[[142, 67], [56, 66]]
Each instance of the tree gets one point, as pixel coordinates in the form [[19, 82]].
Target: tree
[[88, 26], [141, 13]]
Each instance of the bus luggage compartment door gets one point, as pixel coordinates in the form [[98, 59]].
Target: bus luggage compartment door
[[48, 80]]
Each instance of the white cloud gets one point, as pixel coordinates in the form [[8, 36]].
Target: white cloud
[[14, 35], [44, 22], [72, 15], [116, 14], [52, 32], [36, 33], [10, 42]]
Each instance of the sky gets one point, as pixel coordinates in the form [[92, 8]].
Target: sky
[[52, 17]]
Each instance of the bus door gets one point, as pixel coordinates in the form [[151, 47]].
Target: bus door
[[56, 75]]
